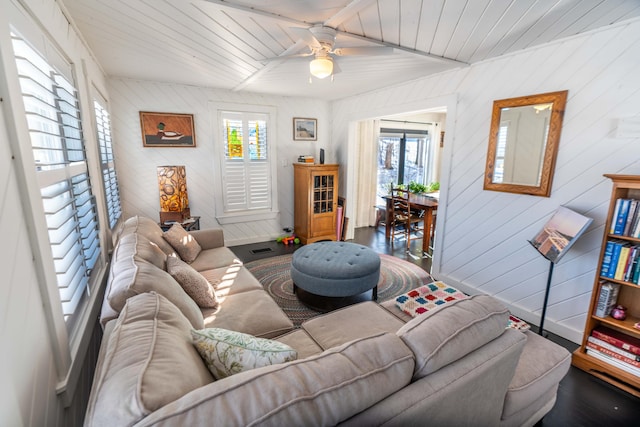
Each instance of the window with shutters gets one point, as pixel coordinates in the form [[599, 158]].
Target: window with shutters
[[69, 206], [109, 177], [246, 162]]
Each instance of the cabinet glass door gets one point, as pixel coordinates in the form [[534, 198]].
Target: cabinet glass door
[[322, 194]]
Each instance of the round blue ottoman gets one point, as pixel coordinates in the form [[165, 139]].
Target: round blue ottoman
[[330, 275]]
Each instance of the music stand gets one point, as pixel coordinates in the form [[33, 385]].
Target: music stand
[[554, 240]]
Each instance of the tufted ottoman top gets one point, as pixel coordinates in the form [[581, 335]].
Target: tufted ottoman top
[[336, 260]]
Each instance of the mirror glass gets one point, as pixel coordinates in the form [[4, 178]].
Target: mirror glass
[[523, 143]]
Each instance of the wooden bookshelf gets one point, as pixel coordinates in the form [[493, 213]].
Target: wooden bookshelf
[[624, 187]]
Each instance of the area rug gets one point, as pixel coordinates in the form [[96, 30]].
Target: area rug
[[396, 277]]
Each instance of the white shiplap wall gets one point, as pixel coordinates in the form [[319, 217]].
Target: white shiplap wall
[[482, 235], [137, 165]]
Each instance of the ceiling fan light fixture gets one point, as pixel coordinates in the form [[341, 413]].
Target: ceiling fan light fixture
[[321, 67]]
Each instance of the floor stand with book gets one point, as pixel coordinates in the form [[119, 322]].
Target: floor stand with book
[[610, 348], [546, 299], [555, 238]]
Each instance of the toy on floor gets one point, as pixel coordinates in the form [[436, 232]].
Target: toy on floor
[[288, 240]]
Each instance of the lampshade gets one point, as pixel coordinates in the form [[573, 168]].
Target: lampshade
[[321, 67], [172, 183]]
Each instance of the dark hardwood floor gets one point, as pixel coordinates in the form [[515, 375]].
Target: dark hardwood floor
[[583, 400]]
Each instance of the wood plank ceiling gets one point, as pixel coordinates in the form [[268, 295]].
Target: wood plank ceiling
[[224, 44]]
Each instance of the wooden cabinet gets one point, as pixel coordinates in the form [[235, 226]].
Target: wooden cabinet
[[624, 187], [315, 201]]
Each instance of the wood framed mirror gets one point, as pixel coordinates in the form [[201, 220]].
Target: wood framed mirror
[[523, 143]]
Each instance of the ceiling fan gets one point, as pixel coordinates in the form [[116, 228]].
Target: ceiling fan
[[321, 40]]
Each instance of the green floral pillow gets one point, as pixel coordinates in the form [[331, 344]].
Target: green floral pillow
[[227, 352]]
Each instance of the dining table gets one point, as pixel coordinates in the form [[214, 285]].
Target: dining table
[[424, 202]]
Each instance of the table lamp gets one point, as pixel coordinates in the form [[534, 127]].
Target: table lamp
[[174, 200]]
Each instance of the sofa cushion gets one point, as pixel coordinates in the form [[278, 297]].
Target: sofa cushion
[[541, 366], [142, 247], [148, 228], [209, 238], [131, 276], [301, 342], [184, 244], [252, 312], [215, 258], [148, 361], [228, 352], [320, 390], [445, 334], [193, 283], [355, 321], [231, 280]]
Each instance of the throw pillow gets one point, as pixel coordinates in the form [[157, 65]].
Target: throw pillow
[[227, 352], [193, 283], [184, 243], [420, 300]]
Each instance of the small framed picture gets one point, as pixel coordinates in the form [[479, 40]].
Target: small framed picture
[[305, 129], [167, 130]]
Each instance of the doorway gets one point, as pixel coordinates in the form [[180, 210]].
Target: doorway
[[394, 149], [404, 156]]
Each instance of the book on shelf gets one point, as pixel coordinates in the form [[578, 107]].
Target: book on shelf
[[606, 259], [620, 219], [636, 273], [615, 256], [617, 339], [631, 216], [607, 298], [613, 361], [633, 205], [632, 263], [622, 262], [635, 232], [625, 220], [634, 359], [616, 210]]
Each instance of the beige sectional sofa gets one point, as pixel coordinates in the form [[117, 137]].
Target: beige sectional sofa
[[367, 364]]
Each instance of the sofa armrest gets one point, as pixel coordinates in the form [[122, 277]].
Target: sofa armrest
[[209, 238]]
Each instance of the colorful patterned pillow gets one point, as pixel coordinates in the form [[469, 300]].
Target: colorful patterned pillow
[[193, 283], [427, 297], [183, 243], [517, 323], [227, 352]]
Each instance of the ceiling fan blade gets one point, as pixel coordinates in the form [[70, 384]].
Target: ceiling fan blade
[[336, 69], [372, 51], [306, 36], [287, 57]]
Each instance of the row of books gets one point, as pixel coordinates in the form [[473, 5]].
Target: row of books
[[615, 348], [626, 218], [621, 261], [306, 159]]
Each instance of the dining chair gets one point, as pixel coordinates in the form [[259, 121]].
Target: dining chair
[[404, 218]]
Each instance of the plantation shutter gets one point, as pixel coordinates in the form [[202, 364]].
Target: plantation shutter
[[53, 118], [109, 177], [247, 178]]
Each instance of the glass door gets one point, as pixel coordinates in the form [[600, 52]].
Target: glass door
[[403, 156]]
